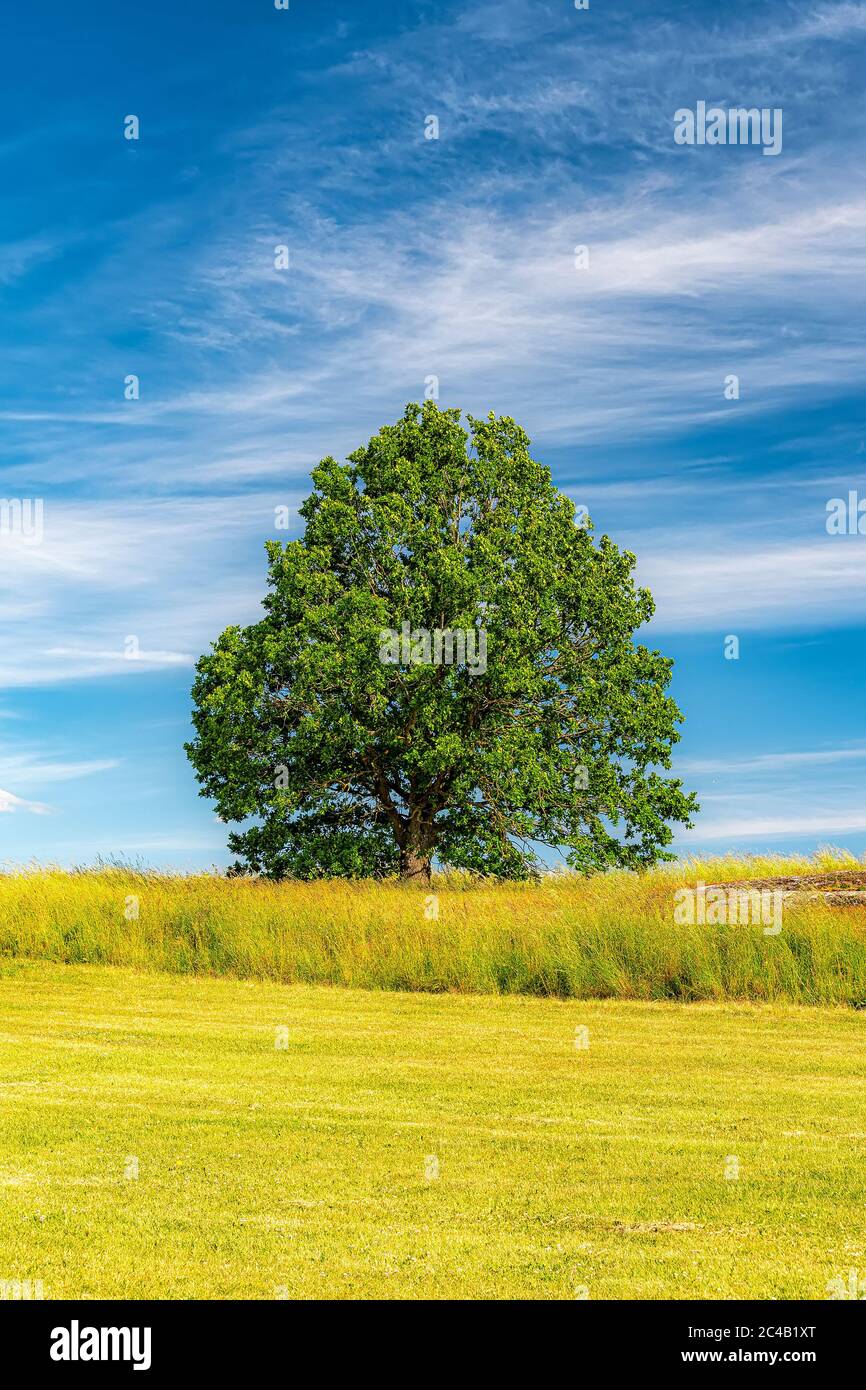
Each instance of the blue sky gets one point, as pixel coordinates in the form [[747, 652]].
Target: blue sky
[[411, 258]]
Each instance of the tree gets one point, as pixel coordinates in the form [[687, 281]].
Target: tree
[[445, 667]]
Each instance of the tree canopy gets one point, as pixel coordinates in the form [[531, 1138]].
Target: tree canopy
[[445, 668]]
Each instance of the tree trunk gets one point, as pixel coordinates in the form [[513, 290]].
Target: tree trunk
[[414, 865]]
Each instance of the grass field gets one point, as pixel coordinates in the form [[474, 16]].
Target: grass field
[[310, 1170], [610, 936]]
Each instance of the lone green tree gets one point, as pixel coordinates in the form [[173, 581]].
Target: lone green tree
[[445, 667]]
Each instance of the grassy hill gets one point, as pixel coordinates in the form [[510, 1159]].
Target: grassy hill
[[613, 935]]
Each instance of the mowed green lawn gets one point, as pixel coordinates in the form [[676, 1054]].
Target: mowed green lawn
[[414, 1146]]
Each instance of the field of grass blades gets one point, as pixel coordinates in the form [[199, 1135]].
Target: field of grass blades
[[608, 936]]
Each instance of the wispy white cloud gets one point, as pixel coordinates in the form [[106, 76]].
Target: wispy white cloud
[[753, 583], [827, 22], [109, 658], [111, 579], [9, 803], [28, 768], [793, 793], [764, 763], [791, 825], [19, 257]]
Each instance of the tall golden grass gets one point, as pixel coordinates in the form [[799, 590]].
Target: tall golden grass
[[612, 935]]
